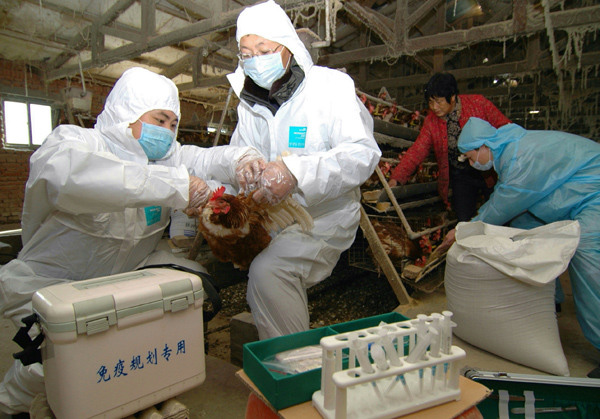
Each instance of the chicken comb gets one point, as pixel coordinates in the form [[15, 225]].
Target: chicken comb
[[218, 193]]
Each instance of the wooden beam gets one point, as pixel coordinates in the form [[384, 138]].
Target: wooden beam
[[80, 41], [204, 82], [197, 60], [148, 19], [193, 9], [519, 15], [55, 43], [116, 29], [587, 59], [217, 23], [97, 42], [127, 34], [181, 65], [383, 260], [418, 14], [533, 51], [438, 53], [560, 20], [376, 22], [400, 26]]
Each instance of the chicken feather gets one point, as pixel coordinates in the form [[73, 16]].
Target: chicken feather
[[237, 228]]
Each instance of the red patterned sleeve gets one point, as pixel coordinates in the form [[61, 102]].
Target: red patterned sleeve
[[416, 154]]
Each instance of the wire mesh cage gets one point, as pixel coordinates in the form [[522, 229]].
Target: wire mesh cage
[[395, 242], [402, 252], [360, 255]]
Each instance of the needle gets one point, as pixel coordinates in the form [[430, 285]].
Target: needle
[[521, 410]]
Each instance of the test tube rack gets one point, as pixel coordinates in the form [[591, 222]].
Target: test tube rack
[[391, 370]]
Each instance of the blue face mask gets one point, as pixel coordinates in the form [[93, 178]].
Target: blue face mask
[[483, 167], [264, 69], [156, 140]]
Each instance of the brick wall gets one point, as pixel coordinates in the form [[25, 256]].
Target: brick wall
[[14, 164], [14, 168]]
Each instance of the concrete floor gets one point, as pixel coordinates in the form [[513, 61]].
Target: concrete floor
[[224, 395]]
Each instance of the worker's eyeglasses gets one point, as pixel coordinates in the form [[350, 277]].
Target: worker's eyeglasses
[[244, 56]]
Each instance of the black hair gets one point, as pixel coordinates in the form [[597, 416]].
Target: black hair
[[441, 85]]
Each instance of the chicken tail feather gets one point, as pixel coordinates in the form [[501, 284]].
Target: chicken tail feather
[[298, 213]]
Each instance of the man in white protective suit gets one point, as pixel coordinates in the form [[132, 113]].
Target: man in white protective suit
[[98, 200], [318, 141]]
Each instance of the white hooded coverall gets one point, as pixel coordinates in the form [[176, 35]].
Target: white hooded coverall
[[328, 134], [95, 206]]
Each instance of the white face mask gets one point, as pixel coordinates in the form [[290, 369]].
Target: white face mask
[[485, 166], [264, 69]]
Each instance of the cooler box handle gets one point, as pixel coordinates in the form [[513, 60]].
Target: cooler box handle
[[210, 289]]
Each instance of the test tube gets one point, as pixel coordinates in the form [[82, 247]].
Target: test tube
[[352, 337], [390, 351], [423, 339], [445, 375], [433, 369], [418, 351], [436, 325], [446, 338], [360, 348], [378, 355]]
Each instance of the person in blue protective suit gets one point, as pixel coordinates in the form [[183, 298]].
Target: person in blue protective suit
[[543, 177], [317, 139], [98, 200]]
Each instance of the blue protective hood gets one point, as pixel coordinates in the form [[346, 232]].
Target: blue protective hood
[[553, 175], [478, 132]]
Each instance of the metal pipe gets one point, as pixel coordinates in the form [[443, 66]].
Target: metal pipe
[[223, 116], [81, 74], [381, 101]]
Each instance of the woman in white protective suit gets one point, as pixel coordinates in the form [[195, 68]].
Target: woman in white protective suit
[[318, 140], [543, 177], [98, 200]]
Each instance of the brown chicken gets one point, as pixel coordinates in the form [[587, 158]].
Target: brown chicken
[[237, 228], [394, 240]]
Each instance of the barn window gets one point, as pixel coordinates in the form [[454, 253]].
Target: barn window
[[26, 123]]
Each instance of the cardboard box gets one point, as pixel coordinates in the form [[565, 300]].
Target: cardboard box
[[471, 394], [286, 390], [118, 344]]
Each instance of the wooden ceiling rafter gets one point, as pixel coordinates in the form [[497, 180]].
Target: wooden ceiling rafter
[[80, 41], [515, 67], [192, 9], [476, 34], [221, 22]]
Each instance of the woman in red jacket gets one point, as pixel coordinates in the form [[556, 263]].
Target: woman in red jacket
[[449, 113]]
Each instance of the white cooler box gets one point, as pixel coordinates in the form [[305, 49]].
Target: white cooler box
[[119, 344]]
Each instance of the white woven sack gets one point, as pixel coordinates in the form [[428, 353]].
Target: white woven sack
[[493, 310]]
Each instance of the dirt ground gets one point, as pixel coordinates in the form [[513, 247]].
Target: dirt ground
[[349, 293]]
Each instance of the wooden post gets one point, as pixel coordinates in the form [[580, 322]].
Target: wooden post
[[383, 259]]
